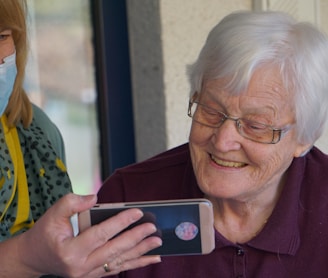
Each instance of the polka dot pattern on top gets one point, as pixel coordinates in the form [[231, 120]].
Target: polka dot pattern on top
[[46, 177]]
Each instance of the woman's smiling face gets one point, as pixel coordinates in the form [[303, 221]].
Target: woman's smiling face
[[226, 164]]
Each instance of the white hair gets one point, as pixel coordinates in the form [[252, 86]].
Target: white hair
[[243, 41]]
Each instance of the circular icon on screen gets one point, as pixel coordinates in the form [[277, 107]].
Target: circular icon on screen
[[186, 231]]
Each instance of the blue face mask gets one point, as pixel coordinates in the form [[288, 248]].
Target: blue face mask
[[8, 72]]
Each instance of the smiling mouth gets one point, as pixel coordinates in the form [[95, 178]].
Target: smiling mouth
[[227, 163]]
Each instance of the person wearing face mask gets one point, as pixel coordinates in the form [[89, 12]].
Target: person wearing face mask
[[36, 199], [8, 73], [258, 103]]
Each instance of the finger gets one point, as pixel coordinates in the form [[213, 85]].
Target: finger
[[99, 234], [140, 262], [57, 217], [135, 238], [129, 245], [143, 261], [129, 258], [71, 204], [131, 242], [128, 249], [88, 242]]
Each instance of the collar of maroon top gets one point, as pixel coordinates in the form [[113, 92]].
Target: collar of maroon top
[[281, 232]]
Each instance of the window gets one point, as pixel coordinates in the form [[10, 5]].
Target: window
[[60, 79]]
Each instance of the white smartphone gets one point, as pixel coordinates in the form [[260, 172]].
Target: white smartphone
[[185, 226]]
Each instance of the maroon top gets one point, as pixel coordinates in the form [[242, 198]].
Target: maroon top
[[293, 243]]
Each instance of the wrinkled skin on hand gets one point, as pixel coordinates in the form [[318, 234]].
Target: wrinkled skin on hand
[[51, 248]]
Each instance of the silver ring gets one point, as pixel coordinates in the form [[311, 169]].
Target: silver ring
[[106, 267]]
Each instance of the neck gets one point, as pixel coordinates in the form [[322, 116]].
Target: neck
[[240, 221], [239, 225]]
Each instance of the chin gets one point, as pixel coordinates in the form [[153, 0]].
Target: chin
[[228, 189]]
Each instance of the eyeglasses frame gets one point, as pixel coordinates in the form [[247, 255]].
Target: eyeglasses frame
[[277, 133]]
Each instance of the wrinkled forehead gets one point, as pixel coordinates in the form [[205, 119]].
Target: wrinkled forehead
[[263, 78], [265, 87]]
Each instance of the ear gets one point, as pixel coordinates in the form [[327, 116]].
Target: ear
[[302, 149]]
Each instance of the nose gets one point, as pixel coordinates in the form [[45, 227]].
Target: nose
[[226, 137]]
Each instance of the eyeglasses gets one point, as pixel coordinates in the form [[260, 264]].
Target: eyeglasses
[[254, 131]]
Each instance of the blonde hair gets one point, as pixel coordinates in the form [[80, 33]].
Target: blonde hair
[[13, 16]]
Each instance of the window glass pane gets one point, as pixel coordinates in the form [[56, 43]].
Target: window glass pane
[[60, 79]]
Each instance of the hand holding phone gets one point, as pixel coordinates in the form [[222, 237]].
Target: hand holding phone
[[185, 226]]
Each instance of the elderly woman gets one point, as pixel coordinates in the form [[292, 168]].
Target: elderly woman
[[36, 235], [259, 95]]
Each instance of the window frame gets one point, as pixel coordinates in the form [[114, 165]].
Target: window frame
[[113, 83]]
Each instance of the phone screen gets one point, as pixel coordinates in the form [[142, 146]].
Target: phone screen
[[177, 225]]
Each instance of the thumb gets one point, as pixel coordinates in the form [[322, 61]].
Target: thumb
[[72, 203]]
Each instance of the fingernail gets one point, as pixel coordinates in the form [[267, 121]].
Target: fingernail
[[153, 228], [137, 215], [160, 242], [88, 198]]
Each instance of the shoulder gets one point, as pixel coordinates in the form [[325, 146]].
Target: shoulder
[[314, 180], [163, 176], [311, 166], [316, 163], [50, 130], [312, 204], [316, 155], [168, 159], [40, 116]]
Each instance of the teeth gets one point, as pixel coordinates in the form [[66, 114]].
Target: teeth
[[227, 163]]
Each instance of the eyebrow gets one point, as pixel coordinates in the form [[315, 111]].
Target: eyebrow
[[209, 98], [2, 29], [264, 110]]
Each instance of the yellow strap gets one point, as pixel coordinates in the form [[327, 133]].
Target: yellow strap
[[20, 182], [6, 131]]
